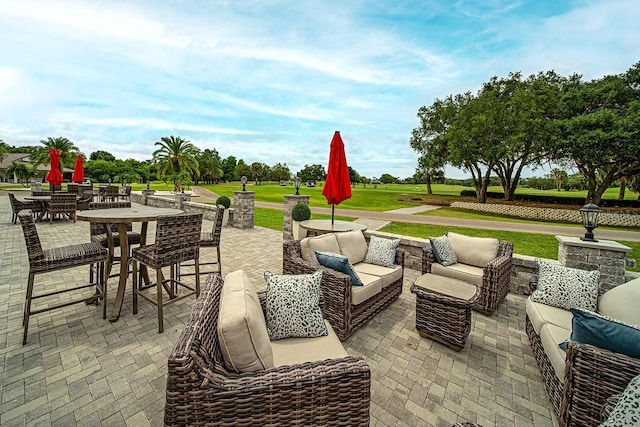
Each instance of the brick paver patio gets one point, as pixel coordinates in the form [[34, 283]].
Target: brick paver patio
[[78, 369]]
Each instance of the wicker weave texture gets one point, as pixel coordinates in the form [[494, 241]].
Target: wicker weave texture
[[200, 391], [18, 205], [62, 204], [443, 318], [336, 290], [495, 277]]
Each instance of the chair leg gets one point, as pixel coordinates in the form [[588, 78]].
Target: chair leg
[[159, 300], [219, 260], [136, 288], [103, 279], [197, 271], [27, 307]]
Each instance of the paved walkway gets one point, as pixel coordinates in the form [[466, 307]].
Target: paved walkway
[[80, 370], [406, 215]]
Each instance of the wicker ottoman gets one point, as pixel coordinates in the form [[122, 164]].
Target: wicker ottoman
[[443, 309]]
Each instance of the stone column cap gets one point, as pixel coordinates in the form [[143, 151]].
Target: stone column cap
[[609, 245]]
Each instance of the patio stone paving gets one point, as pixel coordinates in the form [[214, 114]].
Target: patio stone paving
[[78, 369]]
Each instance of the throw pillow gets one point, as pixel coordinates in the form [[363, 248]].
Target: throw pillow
[[293, 306], [621, 302], [381, 251], [627, 410], [442, 250], [566, 287], [339, 263], [604, 332]]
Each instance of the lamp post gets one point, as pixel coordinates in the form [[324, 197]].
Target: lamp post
[[148, 185], [589, 213], [297, 184], [243, 180]]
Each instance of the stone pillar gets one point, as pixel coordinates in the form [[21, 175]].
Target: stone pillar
[[145, 196], [606, 256], [181, 198], [290, 200], [243, 209]]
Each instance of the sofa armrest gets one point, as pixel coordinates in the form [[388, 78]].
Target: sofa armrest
[[584, 392], [399, 258], [498, 268], [533, 283], [292, 261], [428, 258]]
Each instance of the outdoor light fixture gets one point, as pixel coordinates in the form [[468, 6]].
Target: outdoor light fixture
[[589, 213], [182, 186], [297, 184], [148, 185], [243, 180], [109, 180]]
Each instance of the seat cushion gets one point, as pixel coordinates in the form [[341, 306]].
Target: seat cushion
[[541, 313], [371, 285], [466, 273], [476, 251], [242, 330], [388, 275], [551, 337], [622, 302], [322, 243], [566, 287], [294, 351], [353, 245]]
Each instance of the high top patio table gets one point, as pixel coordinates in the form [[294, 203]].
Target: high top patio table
[[121, 216]]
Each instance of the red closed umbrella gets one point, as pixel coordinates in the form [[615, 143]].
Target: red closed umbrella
[[54, 176], [78, 171], [337, 187]]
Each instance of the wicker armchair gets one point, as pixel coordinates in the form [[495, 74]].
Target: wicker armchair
[[48, 260], [18, 205], [124, 193], [336, 290], [495, 278], [63, 205], [83, 202], [201, 391], [592, 377], [177, 241]]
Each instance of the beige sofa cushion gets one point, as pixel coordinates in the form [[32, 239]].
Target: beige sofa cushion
[[242, 330], [464, 272], [552, 335], [622, 302], [353, 245], [371, 285], [477, 251], [541, 313], [386, 274], [293, 351], [322, 243]]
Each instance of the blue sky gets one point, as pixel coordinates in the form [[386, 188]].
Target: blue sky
[[270, 80]]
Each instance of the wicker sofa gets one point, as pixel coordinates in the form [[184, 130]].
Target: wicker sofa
[[580, 381], [483, 262], [346, 307], [305, 386]]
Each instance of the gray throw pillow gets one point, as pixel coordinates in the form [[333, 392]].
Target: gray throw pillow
[[442, 250], [566, 287], [381, 251], [293, 305]]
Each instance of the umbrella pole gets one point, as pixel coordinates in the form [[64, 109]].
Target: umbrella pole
[[333, 211]]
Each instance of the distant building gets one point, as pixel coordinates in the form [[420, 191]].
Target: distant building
[[22, 158]]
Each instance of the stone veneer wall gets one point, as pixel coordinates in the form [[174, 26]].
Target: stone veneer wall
[[290, 200], [208, 211], [605, 218]]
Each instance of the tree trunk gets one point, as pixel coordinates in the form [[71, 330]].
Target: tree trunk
[[429, 190], [623, 187]]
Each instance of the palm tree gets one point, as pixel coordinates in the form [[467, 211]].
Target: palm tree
[[176, 158], [68, 152]]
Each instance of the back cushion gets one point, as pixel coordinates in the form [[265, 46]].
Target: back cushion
[[242, 330], [621, 302], [322, 243], [352, 245], [476, 251]]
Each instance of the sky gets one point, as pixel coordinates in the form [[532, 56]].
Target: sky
[[270, 81]]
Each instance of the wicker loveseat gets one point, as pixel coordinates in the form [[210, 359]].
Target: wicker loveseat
[[580, 381], [346, 307], [491, 274], [201, 390]]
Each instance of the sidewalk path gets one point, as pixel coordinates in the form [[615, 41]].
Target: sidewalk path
[[400, 215]]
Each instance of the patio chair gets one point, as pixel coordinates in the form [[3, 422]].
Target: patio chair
[[50, 260], [72, 188], [63, 205], [18, 205], [82, 204], [40, 192], [201, 390], [125, 193], [110, 193], [98, 233], [210, 239], [177, 241]]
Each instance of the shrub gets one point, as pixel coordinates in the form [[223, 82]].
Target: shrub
[[300, 212], [224, 201]]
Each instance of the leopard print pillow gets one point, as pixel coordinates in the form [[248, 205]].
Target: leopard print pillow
[[566, 287], [627, 410], [293, 306]]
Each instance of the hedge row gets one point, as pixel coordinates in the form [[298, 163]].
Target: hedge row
[[542, 198]]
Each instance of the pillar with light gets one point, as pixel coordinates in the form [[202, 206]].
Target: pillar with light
[[297, 184], [243, 180]]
